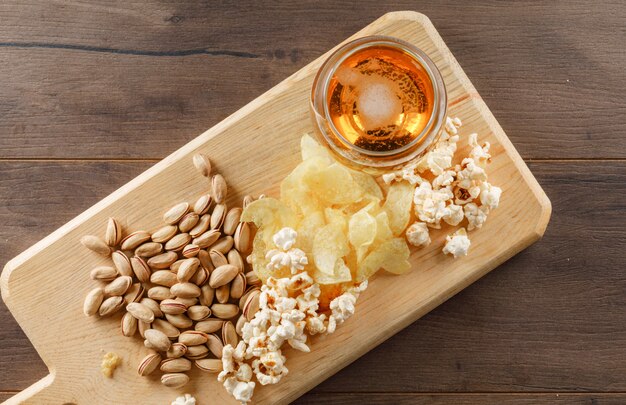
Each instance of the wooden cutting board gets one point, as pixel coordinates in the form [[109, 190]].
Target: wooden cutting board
[[254, 149]]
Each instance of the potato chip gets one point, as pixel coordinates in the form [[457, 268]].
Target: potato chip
[[269, 212], [329, 244], [294, 191], [362, 229], [398, 206], [391, 255], [337, 217], [383, 231], [334, 185], [368, 185], [341, 274], [310, 148], [307, 229]]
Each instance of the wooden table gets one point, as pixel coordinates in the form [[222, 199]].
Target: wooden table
[[93, 93]]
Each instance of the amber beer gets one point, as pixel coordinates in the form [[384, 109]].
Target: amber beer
[[378, 102]]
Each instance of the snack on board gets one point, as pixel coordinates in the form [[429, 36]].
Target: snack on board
[[185, 288]]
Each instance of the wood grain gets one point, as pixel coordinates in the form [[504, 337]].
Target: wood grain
[[463, 399], [513, 330], [550, 71], [521, 221]]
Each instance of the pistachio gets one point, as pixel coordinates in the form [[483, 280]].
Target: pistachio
[[164, 277], [215, 345], [252, 278], [187, 269], [149, 364], [251, 306], [247, 200], [209, 365], [143, 327], [104, 273], [140, 268], [235, 259], [140, 311], [218, 216], [164, 233], [232, 220], [162, 261], [130, 242], [201, 227], [198, 312], [207, 293], [167, 328], [187, 222], [209, 325], [223, 275], [197, 352], [242, 237], [193, 338], [180, 321], [153, 305], [118, 286], [177, 350], [175, 266], [229, 334], [129, 325], [202, 204], [174, 380], [201, 277], [202, 163], [190, 250], [225, 311], [174, 214], [217, 258], [122, 263], [222, 293], [178, 242], [219, 188], [205, 260], [96, 244], [113, 234], [239, 325], [157, 339], [187, 301], [93, 301], [135, 293], [244, 297], [160, 293], [185, 290], [223, 244], [148, 249], [238, 286], [172, 307], [175, 365], [111, 305], [207, 238]]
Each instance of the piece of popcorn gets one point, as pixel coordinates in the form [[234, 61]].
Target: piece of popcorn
[[342, 307], [270, 368], [242, 391], [444, 180], [470, 174], [457, 244], [285, 238], [490, 195], [479, 153], [186, 399], [388, 178], [476, 216], [430, 205], [454, 214], [417, 234], [294, 259]]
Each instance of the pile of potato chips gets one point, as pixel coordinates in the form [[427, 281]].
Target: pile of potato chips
[[345, 225]]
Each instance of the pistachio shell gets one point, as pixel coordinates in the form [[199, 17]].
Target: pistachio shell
[[164, 233], [113, 234], [202, 204], [149, 364], [93, 301], [157, 339], [174, 380], [131, 241], [174, 214], [96, 244], [202, 164]]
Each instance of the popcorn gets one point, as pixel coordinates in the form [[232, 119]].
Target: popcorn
[[454, 215], [285, 238], [186, 399], [430, 205], [479, 153], [270, 367], [476, 216], [490, 195], [417, 234], [236, 374], [295, 259], [457, 244]]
